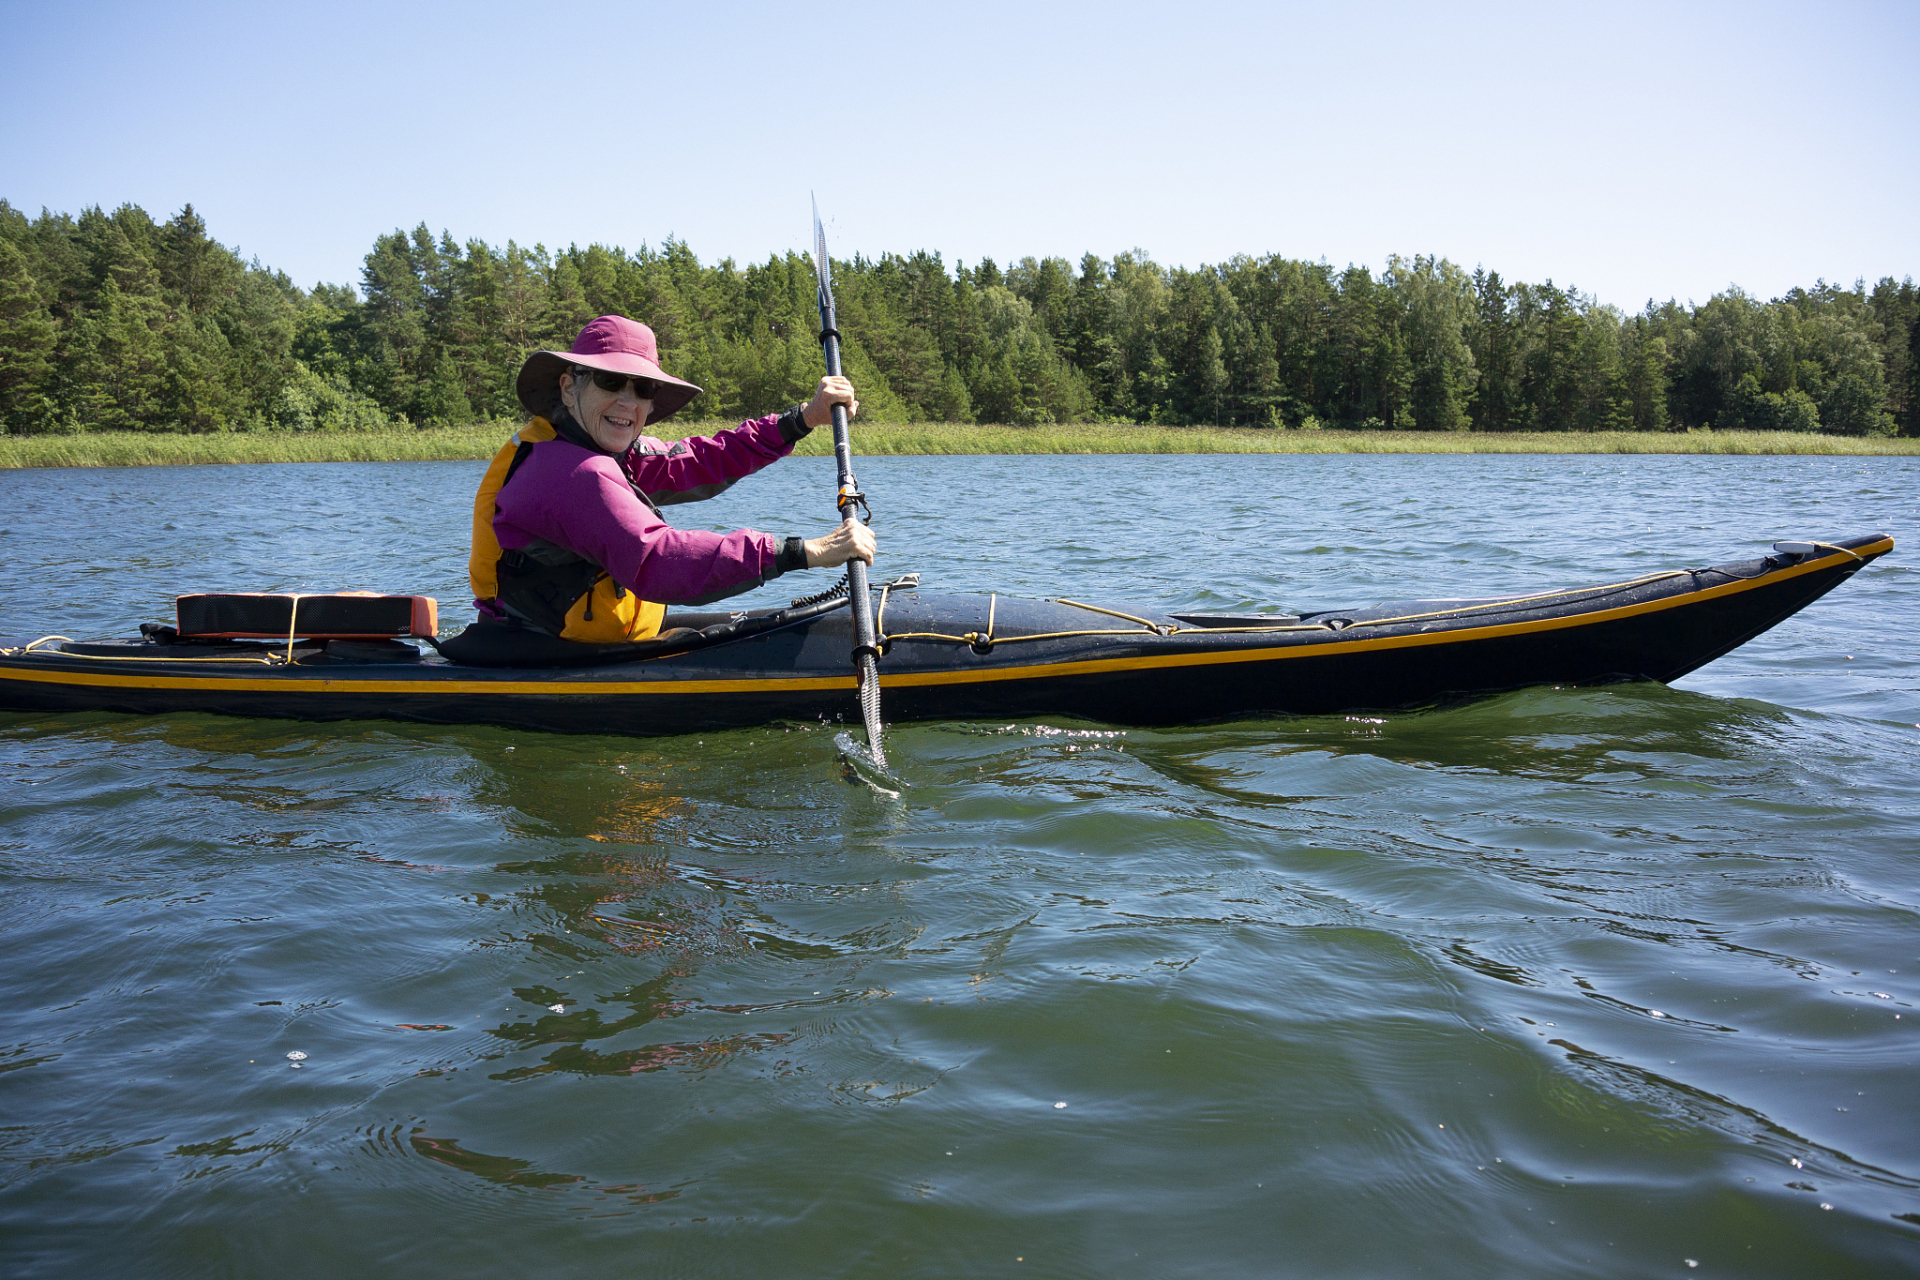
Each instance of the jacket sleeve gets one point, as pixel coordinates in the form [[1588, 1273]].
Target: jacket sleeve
[[699, 467], [581, 501]]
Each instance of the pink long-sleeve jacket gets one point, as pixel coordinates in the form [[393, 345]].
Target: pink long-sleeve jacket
[[591, 503]]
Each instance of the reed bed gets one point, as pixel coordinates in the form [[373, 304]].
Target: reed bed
[[945, 438], [441, 444], [164, 449]]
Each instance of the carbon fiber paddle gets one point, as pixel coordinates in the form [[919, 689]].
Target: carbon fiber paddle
[[852, 505]]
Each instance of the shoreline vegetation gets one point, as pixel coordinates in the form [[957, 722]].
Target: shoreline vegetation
[[479, 441], [113, 322]]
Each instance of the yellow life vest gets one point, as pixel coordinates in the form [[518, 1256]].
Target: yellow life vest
[[554, 588]]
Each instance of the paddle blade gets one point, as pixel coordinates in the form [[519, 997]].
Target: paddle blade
[[869, 675], [822, 266], [858, 764]]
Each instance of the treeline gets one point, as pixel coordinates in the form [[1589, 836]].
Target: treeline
[[110, 321]]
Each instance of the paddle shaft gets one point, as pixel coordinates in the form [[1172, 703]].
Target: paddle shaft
[[849, 500]]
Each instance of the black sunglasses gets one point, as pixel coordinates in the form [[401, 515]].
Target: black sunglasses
[[606, 380]]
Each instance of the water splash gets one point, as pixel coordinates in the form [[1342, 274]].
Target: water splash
[[862, 765]]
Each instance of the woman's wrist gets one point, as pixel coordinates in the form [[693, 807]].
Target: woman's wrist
[[793, 424]]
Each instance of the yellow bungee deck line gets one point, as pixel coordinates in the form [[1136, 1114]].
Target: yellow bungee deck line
[[1090, 666]]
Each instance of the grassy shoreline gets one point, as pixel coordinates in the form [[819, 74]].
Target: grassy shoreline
[[135, 449]]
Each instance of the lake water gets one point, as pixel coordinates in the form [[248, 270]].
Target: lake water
[[1601, 982]]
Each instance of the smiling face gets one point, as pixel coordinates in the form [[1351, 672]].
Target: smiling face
[[612, 418]]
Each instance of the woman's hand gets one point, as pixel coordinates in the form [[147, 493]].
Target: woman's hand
[[834, 390], [851, 541]]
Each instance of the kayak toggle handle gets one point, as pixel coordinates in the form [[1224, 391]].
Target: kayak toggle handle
[[1799, 551]]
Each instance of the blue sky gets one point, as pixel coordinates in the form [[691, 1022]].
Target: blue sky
[[1633, 150]]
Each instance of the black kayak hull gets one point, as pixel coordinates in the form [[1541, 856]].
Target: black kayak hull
[[952, 657]]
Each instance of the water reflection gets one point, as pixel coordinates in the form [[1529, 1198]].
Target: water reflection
[[506, 1171], [1623, 730], [696, 1056]]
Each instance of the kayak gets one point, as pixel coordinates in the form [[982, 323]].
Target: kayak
[[955, 657]]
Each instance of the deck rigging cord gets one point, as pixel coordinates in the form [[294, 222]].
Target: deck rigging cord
[[852, 505], [984, 641]]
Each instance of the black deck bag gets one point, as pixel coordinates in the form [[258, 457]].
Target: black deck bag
[[348, 615]]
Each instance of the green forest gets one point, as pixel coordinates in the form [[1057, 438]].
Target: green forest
[[110, 321]]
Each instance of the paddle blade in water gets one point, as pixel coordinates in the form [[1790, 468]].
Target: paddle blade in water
[[870, 706], [861, 766]]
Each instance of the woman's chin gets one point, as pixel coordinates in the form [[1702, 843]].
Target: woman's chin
[[616, 440]]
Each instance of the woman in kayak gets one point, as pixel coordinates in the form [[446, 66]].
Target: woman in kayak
[[568, 538]]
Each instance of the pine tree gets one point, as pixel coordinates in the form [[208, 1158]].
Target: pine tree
[[27, 336], [1646, 379], [566, 311], [399, 359], [1913, 375], [116, 364], [192, 268]]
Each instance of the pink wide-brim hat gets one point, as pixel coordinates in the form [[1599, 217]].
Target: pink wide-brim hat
[[614, 343]]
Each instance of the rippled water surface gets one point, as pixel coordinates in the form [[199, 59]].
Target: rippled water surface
[[1599, 982]]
